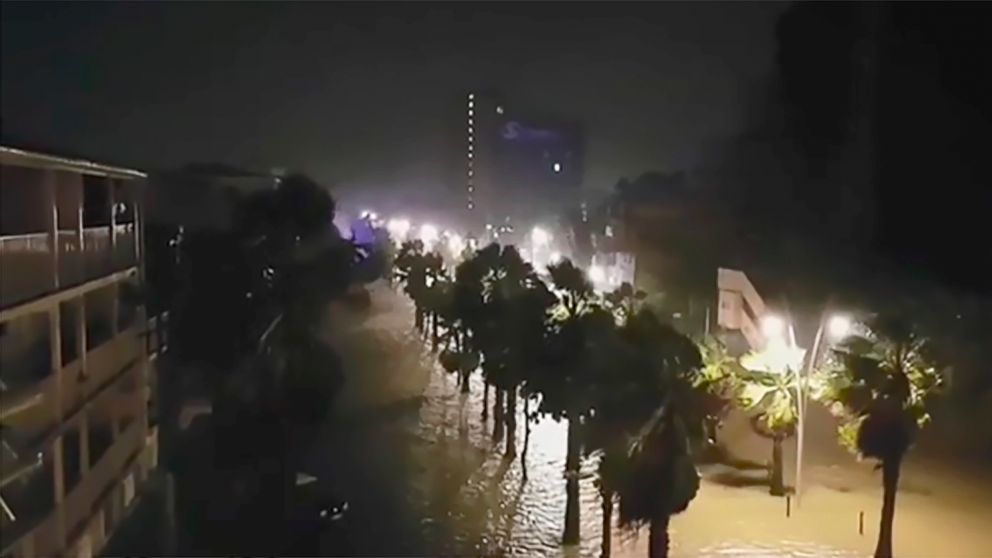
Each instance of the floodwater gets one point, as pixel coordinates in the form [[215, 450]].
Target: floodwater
[[423, 477]]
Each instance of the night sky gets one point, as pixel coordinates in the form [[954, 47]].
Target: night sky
[[356, 94]]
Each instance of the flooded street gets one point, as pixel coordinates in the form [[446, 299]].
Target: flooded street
[[413, 457]]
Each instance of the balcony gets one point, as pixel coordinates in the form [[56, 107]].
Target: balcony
[[25, 268], [26, 261]]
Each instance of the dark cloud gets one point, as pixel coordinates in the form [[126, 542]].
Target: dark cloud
[[356, 93]]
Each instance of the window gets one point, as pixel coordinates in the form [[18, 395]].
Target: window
[[72, 459], [99, 316], [100, 430], [96, 201], [69, 328]]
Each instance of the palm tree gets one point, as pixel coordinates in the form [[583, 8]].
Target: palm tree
[[662, 481], [411, 272], [718, 384], [881, 390], [772, 397], [572, 359], [659, 478]]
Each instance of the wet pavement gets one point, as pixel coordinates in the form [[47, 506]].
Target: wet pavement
[[419, 468]]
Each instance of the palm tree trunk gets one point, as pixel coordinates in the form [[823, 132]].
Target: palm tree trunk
[[418, 318], [658, 537], [485, 402], [511, 423], [523, 456], [776, 484], [465, 384], [606, 494], [571, 534], [434, 336], [890, 485], [498, 420]]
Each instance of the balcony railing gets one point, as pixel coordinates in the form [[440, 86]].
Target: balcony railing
[[25, 267], [26, 262]]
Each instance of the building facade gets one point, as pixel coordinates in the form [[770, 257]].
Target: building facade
[[512, 164], [76, 357]]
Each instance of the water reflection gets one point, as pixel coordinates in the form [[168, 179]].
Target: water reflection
[[459, 494]]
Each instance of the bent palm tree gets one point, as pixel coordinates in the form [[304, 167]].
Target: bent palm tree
[[880, 391]]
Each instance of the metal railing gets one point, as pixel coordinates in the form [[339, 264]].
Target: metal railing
[[26, 260]]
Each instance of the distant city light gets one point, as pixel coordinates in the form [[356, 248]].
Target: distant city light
[[398, 229], [428, 235], [471, 96], [540, 237], [556, 167], [499, 109], [456, 244]]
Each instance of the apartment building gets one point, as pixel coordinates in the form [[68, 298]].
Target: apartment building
[[77, 361]]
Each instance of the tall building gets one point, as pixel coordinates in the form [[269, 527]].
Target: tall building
[[76, 359], [515, 163]]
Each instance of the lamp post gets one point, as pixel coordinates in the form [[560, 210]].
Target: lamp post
[[835, 327]]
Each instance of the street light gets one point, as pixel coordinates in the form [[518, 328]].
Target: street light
[[836, 327], [456, 244], [773, 328], [839, 327], [428, 235], [540, 237], [398, 229]]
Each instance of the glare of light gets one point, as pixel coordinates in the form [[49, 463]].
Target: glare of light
[[597, 274], [540, 237], [773, 327], [499, 109], [556, 167], [489, 226], [471, 96], [366, 214], [554, 257], [428, 235], [373, 216], [777, 358], [838, 327], [398, 228]]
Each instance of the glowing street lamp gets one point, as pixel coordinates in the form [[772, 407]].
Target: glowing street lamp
[[836, 327], [540, 237], [773, 328], [428, 235], [398, 229], [456, 244]]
